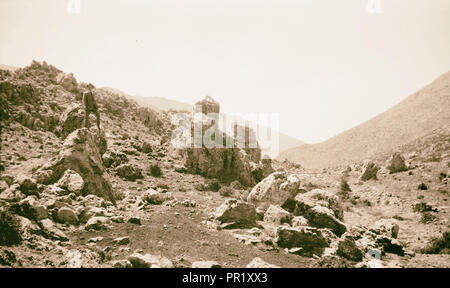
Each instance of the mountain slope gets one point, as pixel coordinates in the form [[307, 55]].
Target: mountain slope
[[417, 115]]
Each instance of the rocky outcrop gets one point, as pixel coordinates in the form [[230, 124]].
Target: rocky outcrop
[[215, 161], [71, 120], [303, 203], [81, 153]]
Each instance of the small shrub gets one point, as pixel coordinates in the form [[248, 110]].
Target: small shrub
[[344, 186], [422, 186], [400, 218], [213, 186], [370, 172], [442, 176], [155, 171], [427, 217], [226, 191], [367, 203], [423, 207], [439, 245], [9, 229]]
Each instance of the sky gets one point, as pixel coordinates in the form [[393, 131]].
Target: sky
[[323, 65]]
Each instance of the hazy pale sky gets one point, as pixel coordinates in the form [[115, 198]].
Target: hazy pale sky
[[324, 65]]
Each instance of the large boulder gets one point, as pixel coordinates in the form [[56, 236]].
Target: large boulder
[[397, 164], [237, 214], [67, 216], [30, 208], [303, 203], [82, 152], [27, 185], [348, 249], [274, 189], [310, 241], [322, 217], [380, 236], [51, 231], [277, 215], [154, 197]]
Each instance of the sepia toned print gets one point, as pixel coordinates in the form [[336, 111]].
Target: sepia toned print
[[234, 134]]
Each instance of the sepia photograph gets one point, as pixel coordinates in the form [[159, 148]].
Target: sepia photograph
[[224, 134]]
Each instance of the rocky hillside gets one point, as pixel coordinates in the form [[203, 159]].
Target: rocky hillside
[[122, 195], [413, 118]]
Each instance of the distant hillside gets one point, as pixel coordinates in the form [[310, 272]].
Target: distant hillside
[[7, 67], [417, 115], [160, 103]]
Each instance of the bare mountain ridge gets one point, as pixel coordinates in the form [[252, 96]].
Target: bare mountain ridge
[[414, 117], [160, 103]]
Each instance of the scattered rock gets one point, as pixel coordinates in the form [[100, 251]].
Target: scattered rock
[[155, 198], [135, 220], [50, 231], [259, 263], [67, 216], [277, 215], [206, 264], [138, 260], [322, 217], [71, 181], [122, 240], [347, 248], [122, 264], [27, 185], [129, 172], [97, 223]]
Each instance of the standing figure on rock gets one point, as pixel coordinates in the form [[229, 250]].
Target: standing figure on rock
[[90, 106]]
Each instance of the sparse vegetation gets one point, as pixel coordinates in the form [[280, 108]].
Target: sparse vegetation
[[439, 245], [427, 217], [422, 186], [155, 170], [226, 191], [442, 176], [371, 172]]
